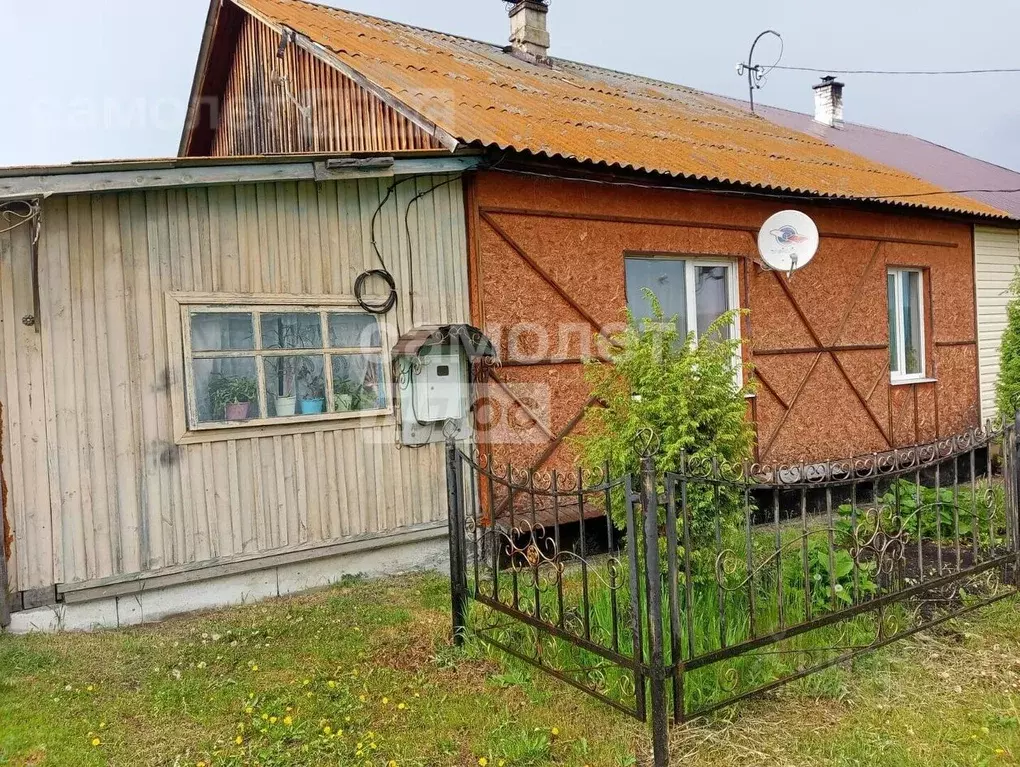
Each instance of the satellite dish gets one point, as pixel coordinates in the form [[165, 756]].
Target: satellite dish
[[788, 241]]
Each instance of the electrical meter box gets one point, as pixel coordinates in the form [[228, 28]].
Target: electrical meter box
[[432, 366], [437, 387]]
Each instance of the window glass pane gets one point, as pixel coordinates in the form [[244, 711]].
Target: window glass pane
[[351, 331], [665, 278], [711, 297], [894, 334], [913, 354], [221, 332], [226, 389], [296, 386], [300, 330], [358, 383]]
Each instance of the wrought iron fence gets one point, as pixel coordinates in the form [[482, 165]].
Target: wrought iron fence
[[671, 595]]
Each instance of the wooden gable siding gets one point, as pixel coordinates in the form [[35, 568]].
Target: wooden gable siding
[[297, 103], [98, 484]]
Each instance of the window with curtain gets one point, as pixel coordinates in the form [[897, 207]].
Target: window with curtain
[[906, 324], [257, 365], [696, 291]]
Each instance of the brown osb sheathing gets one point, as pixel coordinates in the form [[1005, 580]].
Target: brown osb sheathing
[[480, 94], [846, 405]]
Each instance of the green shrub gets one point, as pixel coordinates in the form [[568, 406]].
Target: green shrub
[[684, 390], [1007, 389], [928, 514]]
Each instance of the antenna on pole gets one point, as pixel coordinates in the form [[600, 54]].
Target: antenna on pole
[[756, 73]]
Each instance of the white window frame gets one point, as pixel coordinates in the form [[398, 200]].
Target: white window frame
[[897, 375], [180, 308], [732, 290]]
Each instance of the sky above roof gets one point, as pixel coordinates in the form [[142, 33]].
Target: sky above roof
[[116, 83]]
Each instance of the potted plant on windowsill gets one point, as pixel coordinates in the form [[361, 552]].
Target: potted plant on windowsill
[[286, 399], [346, 396], [232, 396], [314, 400]]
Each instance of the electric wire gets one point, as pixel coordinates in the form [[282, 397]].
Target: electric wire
[[807, 196], [904, 72]]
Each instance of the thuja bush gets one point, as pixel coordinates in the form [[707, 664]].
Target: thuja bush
[[1007, 390], [685, 391]]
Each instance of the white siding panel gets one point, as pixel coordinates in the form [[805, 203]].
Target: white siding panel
[[996, 258], [98, 484]]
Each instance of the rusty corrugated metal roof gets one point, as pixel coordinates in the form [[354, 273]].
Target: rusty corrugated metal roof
[[478, 93]]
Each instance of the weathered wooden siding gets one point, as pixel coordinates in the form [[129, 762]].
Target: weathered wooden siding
[[996, 258], [98, 485], [296, 103]]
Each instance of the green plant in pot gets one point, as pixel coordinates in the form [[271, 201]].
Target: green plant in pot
[[314, 400], [347, 395], [286, 386], [232, 396]]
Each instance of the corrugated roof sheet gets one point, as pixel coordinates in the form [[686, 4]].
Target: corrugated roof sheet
[[925, 159], [479, 93]]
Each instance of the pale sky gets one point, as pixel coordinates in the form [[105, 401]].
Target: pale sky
[[99, 79]]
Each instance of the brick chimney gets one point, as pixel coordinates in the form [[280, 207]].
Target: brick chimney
[[529, 35], [829, 102]]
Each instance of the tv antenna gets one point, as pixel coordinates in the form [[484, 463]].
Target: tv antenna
[[756, 73]]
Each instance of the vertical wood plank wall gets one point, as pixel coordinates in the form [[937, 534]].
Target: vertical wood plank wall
[[97, 484], [296, 103]]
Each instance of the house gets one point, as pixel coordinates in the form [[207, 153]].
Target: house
[[598, 181], [996, 246], [130, 293], [332, 162]]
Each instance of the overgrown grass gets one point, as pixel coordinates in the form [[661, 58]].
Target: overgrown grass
[[361, 674], [371, 663]]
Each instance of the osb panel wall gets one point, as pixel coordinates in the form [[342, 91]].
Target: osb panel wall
[[296, 103], [818, 341]]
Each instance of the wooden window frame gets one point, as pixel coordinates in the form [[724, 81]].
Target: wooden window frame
[[187, 428], [895, 376]]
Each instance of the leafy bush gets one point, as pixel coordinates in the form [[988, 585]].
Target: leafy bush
[[684, 390], [1007, 389], [828, 576], [927, 513]]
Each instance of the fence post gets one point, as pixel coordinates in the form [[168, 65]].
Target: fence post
[[653, 579], [458, 565]]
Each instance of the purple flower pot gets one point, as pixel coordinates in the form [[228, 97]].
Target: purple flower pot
[[237, 411]]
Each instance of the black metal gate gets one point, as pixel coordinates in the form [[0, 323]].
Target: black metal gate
[[671, 595]]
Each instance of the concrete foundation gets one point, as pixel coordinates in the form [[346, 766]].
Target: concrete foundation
[[276, 575]]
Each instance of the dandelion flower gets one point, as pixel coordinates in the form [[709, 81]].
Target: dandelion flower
[[200, 764], [555, 732], [402, 706], [272, 720], [483, 762], [288, 721], [102, 725], [327, 730], [391, 763], [90, 688], [239, 740], [96, 741], [265, 716], [248, 709], [255, 667], [331, 684], [361, 698]]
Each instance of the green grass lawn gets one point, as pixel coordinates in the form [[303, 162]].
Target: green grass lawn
[[363, 674]]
